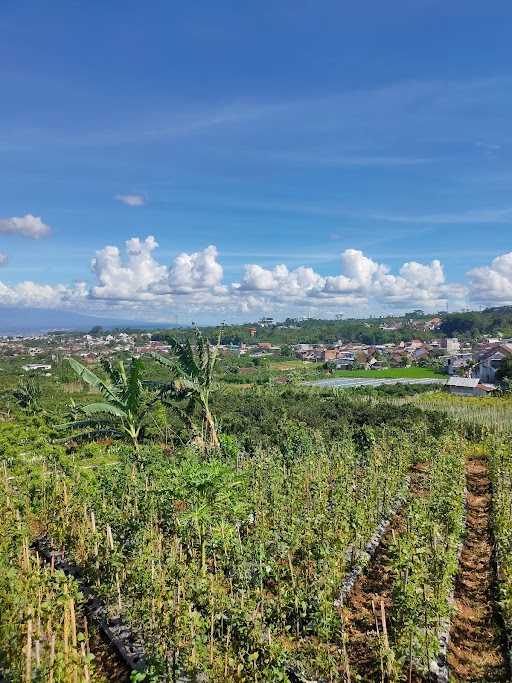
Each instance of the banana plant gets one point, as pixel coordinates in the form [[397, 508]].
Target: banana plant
[[192, 371], [28, 395], [124, 407]]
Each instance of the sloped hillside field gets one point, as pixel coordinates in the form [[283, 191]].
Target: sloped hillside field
[[326, 538]]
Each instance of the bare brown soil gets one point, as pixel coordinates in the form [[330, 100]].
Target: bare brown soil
[[375, 584], [475, 651], [108, 665]]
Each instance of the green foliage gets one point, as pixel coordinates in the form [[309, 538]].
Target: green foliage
[[192, 372], [229, 561], [125, 405], [500, 461], [28, 394], [425, 557], [475, 323], [505, 371]]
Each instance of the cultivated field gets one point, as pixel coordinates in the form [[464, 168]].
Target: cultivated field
[[328, 537]]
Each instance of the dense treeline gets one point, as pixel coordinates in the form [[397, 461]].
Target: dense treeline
[[469, 325], [473, 324], [314, 331]]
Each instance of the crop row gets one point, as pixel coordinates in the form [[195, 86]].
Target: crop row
[[230, 570], [42, 634], [500, 461], [424, 562]]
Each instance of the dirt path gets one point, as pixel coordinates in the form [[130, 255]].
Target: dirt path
[[106, 662], [374, 585], [475, 651]]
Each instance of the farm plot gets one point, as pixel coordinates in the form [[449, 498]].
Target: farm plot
[[229, 566], [397, 611], [476, 648], [500, 471], [226, 567]]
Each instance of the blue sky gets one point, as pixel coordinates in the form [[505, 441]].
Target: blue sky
[[281, 133]]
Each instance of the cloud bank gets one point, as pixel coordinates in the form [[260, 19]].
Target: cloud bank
[[132, 279], [492, 283], [26, 226]]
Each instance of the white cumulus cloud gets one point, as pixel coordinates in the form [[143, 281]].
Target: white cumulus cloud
[[197, 271], [137, 275], [492, 284], [27, 226], [361, 281], [42, 296], [132, 279], [129, 278], [131, 199], [3, 258]]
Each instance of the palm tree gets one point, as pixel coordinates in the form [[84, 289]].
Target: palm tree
[[124, 407], [192, 370]]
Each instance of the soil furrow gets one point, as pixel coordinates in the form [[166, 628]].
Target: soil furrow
[[374, 585], [476, 647]]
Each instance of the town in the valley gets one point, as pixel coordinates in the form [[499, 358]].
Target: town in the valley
[[472, 363]]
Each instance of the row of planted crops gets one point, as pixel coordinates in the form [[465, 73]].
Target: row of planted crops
[[228, 566], [500, 468]]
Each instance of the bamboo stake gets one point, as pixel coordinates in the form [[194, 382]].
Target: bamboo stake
[[385, 637], [52, 656], [344, 641], [28, 652], [226, 653], [378, 636], [65, 634], [87, 676], [72, 619], [110, 538]]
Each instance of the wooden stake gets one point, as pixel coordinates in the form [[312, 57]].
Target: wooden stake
[[344, 641], [378, 636], [110, 538], [52, 656], [37, 645], [87, 676], [385, 637], [28, 653], [72, 620]]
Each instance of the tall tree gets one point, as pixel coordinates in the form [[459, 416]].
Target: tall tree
[[192, 370]]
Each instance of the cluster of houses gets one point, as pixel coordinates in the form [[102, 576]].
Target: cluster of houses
[[352, 355], [45, 349], [472, 368]]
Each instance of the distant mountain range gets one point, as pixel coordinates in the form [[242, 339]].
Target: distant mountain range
[[14, 320]]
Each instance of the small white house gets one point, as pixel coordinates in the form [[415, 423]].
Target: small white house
[[35, 366]]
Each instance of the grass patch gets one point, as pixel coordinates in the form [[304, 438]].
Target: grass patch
[[391, 373]]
